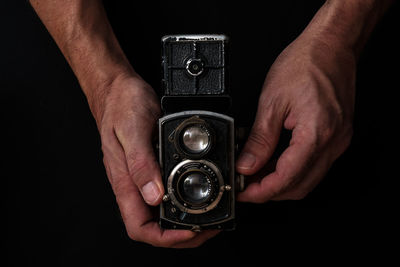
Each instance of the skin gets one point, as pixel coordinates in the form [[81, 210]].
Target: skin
[[309, 90]]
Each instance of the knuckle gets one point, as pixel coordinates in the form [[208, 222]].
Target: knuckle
[[258, 137], [325, 135], [340, 134], [273, 191], [332, 124], [308, 135], [133, 235], [120, 188], [326, 124]]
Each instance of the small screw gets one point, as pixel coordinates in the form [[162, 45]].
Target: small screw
[[228, 188], [165, 198], [196, 228], [175, 156], [173, 209]]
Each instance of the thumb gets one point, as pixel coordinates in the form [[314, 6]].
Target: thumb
[[145, 173], [262, 141], [143, 168]]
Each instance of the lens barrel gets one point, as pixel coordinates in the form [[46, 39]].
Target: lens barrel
[[195, 186]]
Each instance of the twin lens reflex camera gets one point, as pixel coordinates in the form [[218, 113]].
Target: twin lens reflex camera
[[196, 135]]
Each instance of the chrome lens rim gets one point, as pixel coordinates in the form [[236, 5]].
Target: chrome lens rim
[[175, 177]]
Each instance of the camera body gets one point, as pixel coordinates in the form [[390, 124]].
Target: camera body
[[196, 135]]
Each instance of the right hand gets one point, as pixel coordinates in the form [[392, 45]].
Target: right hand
[[126, 111]]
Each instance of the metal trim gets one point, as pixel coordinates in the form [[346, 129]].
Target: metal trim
[[196, 37], [171, 191]]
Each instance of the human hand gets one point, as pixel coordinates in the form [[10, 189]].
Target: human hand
[[309, 90], [126, 112]]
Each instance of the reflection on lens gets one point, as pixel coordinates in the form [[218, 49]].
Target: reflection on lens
[[196, 188], [196, 139]]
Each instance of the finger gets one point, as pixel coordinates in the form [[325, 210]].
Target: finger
[[301, 190], [143, 168], [311, 179], [269, 167], [291, 165], [263, 138], [198, 240], [140, 224], [137, 216]]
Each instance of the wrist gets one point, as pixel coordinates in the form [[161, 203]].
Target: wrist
[[117, 85], [346, 25], [97, 62], [97, 82]]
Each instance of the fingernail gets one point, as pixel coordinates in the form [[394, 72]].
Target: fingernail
[[246, 161], [150, 192]]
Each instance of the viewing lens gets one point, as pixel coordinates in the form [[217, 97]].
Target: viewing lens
[[196, 139]]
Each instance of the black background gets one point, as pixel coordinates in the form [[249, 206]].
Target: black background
[[60, 207]]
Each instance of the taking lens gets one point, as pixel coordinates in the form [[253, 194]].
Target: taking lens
[[196, 188]]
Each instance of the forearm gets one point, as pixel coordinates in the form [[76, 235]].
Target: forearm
[[347, 23], [82, 32]]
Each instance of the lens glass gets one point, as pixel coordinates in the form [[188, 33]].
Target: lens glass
[[196, 188], [196, 139]]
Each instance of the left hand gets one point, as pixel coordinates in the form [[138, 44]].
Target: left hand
[[309, 90]]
